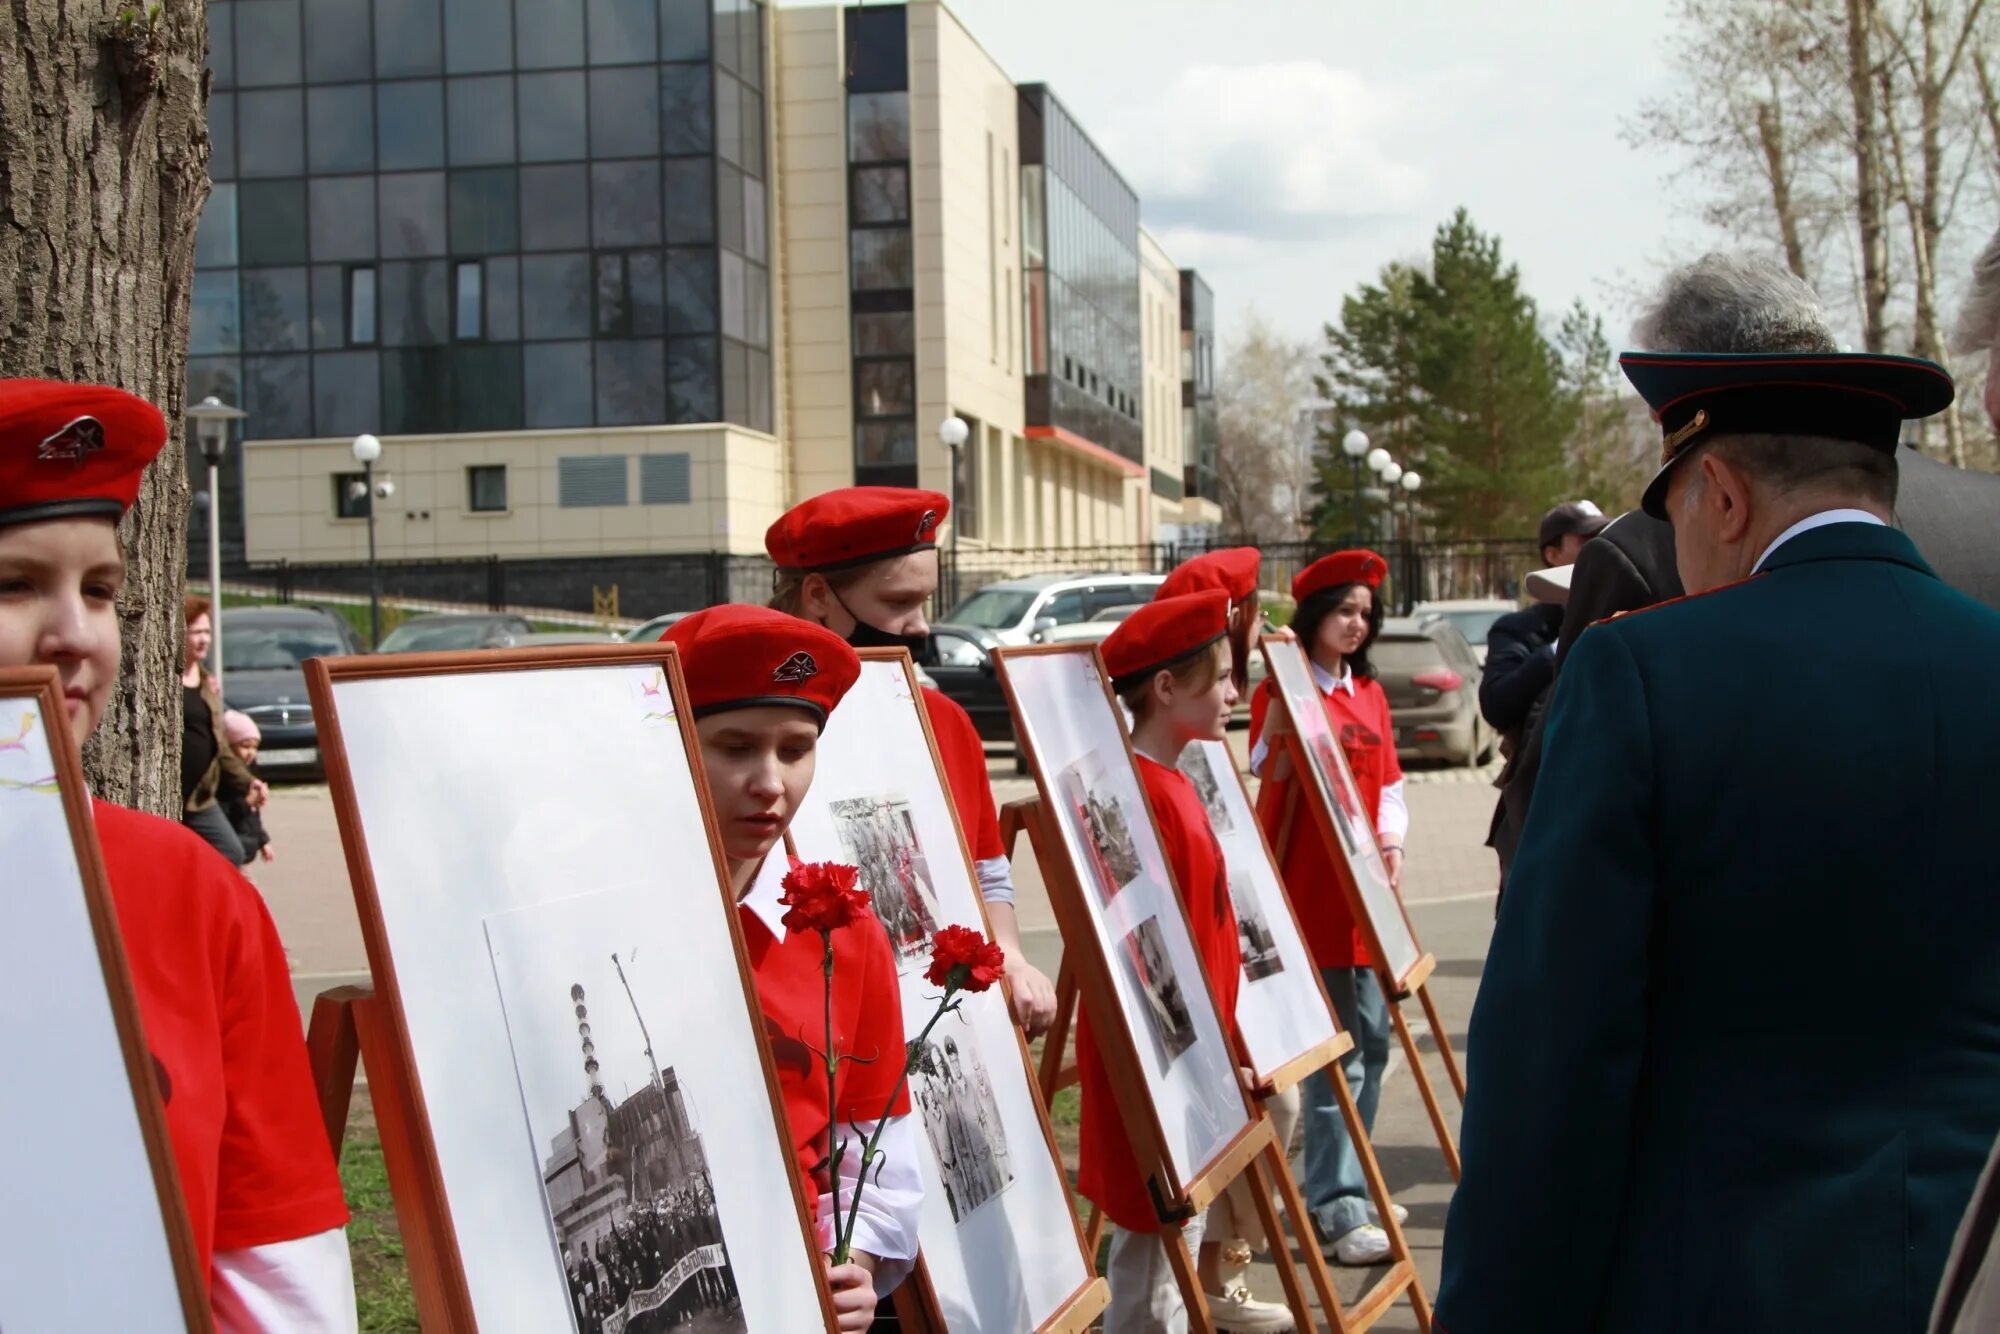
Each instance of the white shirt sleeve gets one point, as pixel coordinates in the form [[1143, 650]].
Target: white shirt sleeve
[[1393, 825], [306, 1284], [1258, 754], [886, 1227], [996, 879]]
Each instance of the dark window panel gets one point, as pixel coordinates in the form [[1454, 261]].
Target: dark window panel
[[468, 314], [683, 29], [760, 391], [624, 112], [486, 488], [735, 319], [409, 121], [623, 32], [554, 131], [753, 131], [478, 35], [555, 380], [645, 285], [735, 382], [412, 208], [362, 306], [329, 306], [343, 217], [884, 444], [885, 388], [271, 221], [631, 383], [725, 34], [551, 33], [337, 41], [222, 136], [625, 203], [486, 388], [878, 127], [409, 38], [728, 206], [756, 220], [612, 318], [691, 292], [757, 302], [878, 49], [750, 46], [340, 128], [267, 43], [415, 304], [347, 393], [555, 207], [728, 117], [690, 200], [416, 391], [350, 496], [215, 235], [693, 391], [555, 296], [885, 335], [480, 120], [484, 211], [277, 393], [275, 310], [503, 298], [687, 110], [221, 376], [882, 258], [221, 57], [215, 321], [273, 137], [880, 194]]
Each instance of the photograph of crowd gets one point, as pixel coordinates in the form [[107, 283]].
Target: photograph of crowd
[[880, 836], [1105, 826], [1195, 764], [962, 1118], [1144, 954]]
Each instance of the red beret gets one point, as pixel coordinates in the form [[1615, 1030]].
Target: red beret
[[1234, 571], [1160, 634], [1342, 567], [70, 449], [743, 657], [855, 525]]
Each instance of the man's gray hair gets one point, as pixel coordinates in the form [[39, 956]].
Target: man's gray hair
[[1734, 303], [1979, 319]]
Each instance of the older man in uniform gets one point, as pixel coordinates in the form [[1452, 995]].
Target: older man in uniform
[[1738, 1040]]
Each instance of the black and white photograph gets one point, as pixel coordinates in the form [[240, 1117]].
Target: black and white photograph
[[881, 839], [1104, 823], [1144, 954], [1195, 764], [954, 1095], [1261, 957]]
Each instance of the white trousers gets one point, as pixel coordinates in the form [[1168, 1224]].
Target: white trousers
[[1235, 1214], [1145, 1299]]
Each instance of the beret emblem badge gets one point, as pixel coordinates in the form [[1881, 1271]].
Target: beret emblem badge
[[798, 668]]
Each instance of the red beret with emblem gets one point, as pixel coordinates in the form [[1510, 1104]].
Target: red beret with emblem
[[1342, 567], [1233, 570], [72, 449], [855, 525], [743, 657], [1159, 634]]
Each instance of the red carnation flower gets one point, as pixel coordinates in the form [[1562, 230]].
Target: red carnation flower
[[964, 960], [822, 896]]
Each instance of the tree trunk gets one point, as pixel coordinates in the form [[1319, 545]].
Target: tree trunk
[[1867, 172], [103, 173], [1771, 137]]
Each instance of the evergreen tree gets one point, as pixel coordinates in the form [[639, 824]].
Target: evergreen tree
[[1612, 450], [1369, 373]]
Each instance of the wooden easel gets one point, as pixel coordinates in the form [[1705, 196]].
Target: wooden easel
[[1028, 814]]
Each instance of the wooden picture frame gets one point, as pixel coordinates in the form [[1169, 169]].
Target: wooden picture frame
[[1014, 1260], [81, 1104], [454, 1115]]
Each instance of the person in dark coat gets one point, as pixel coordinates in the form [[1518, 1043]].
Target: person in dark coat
[[1737, 1041]]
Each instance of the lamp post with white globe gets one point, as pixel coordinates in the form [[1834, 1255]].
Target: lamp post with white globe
[[953, 432], [1410, 483], [367, 449], [212, 419], [1355, 445]]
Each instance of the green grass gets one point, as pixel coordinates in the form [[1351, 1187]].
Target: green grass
[[381, 1271]]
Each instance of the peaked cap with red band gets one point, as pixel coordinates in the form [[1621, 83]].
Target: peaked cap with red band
[[73, 449], [855, 525], [1696, 397], [1233, 570], [1342, 567], [1159, 634], [743, 657]]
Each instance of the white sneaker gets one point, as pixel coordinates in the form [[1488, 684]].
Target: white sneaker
[[1362, 1246], [1402, 1214], [1237, 1312]]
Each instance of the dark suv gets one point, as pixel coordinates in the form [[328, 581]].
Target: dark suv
[[262, 652]]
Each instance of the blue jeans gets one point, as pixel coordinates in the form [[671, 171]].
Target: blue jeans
[[1336, 1192]]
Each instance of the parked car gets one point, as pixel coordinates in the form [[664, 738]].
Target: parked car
[[1023, 611], [544, 638], [1432, 680], [1093, 631], [456, 630], [1473, 617], [651, 630], [262, 649], [965, 672]]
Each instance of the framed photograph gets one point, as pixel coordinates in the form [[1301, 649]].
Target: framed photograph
[[96, 1236], [1002, 1250], [1329, 787], [1282, 1013], [547, 919], [1146, 961]]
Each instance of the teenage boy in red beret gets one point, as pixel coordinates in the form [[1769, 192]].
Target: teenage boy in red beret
[[1339, 615], [213, 991], [761, 685], [1234, 570], [862, 561]]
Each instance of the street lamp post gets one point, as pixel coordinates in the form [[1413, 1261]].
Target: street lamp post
[[1355, 445], [367, 449], [1410, 483], [212, 418], [953, 431]]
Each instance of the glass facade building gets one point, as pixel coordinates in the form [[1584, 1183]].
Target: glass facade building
[[436, 216], [1080, 282], [881, 255], [1200, 422]]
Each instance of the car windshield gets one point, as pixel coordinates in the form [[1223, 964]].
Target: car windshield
[[1472, 624], [275, 648], [435, 635], [993, 608]]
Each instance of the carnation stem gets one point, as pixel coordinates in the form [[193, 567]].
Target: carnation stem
[[869, 1152], [835, 1151]]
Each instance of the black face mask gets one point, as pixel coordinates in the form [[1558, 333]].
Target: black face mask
[[923, 648]]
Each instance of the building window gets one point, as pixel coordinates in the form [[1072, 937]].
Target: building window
[[350, 495], [665, 479], [486, 488], [590, 481], [469, 310], [361, 307]]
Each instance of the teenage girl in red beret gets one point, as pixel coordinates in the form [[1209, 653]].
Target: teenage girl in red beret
[[214, 995], [1339, 615], [761, 685]]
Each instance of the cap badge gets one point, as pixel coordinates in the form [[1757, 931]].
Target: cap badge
[[800, 667], [1675, 440], [83, 436], [926, 524]]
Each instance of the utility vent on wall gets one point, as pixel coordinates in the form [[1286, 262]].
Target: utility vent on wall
[[665, 479], [590, 480]]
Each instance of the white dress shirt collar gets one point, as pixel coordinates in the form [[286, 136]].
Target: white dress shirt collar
[[1328, 682], [766, 890], [1812, 521]]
